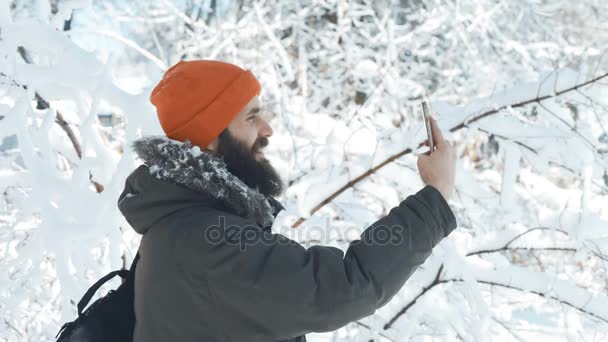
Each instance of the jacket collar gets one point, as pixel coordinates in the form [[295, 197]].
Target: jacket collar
[[187, 165]]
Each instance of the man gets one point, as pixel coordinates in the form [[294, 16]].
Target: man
[[210, 267]]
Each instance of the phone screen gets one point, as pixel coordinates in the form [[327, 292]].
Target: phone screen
[[427, 125]]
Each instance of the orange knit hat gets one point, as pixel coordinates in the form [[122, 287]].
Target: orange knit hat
[[196, 100]]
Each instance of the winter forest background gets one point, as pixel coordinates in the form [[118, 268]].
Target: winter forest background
[[520, 86]]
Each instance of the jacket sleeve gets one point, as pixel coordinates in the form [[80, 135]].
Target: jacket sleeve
[[276, 286]]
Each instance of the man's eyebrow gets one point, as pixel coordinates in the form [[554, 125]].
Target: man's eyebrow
[[254, 111]]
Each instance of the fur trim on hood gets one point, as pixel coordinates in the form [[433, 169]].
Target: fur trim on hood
[[187, 165]]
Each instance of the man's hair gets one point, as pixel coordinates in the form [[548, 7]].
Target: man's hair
[[223, 134]]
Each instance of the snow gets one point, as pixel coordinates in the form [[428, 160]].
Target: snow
[[366, 68], [536, 188], [510, 170]]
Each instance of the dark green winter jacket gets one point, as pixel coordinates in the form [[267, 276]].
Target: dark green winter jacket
[[211, 269]]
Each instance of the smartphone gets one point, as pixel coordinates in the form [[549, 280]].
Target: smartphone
[[427, 125]]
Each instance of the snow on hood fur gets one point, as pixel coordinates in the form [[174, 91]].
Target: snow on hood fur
[[187, 165]]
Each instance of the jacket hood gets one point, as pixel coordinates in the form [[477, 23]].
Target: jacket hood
[[178, 175]]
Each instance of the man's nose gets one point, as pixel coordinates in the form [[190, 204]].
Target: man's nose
[[265, 130]]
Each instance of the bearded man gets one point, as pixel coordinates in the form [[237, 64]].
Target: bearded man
[[210, 267]]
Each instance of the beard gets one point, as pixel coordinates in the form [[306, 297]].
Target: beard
[[240, 161]]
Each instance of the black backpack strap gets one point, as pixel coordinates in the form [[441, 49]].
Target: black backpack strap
[[134, 264], [91, 291], [131, 275]]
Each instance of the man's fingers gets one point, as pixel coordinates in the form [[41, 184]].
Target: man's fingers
[[437, 135]]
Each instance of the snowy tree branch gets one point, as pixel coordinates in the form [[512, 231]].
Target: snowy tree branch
[[524, 103], [400, 154], [44, 104], [374, 330], [526, 281], [506, 246], [411, 303], [578, 299]]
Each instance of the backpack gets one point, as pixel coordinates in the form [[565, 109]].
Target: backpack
[[110, 318]]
